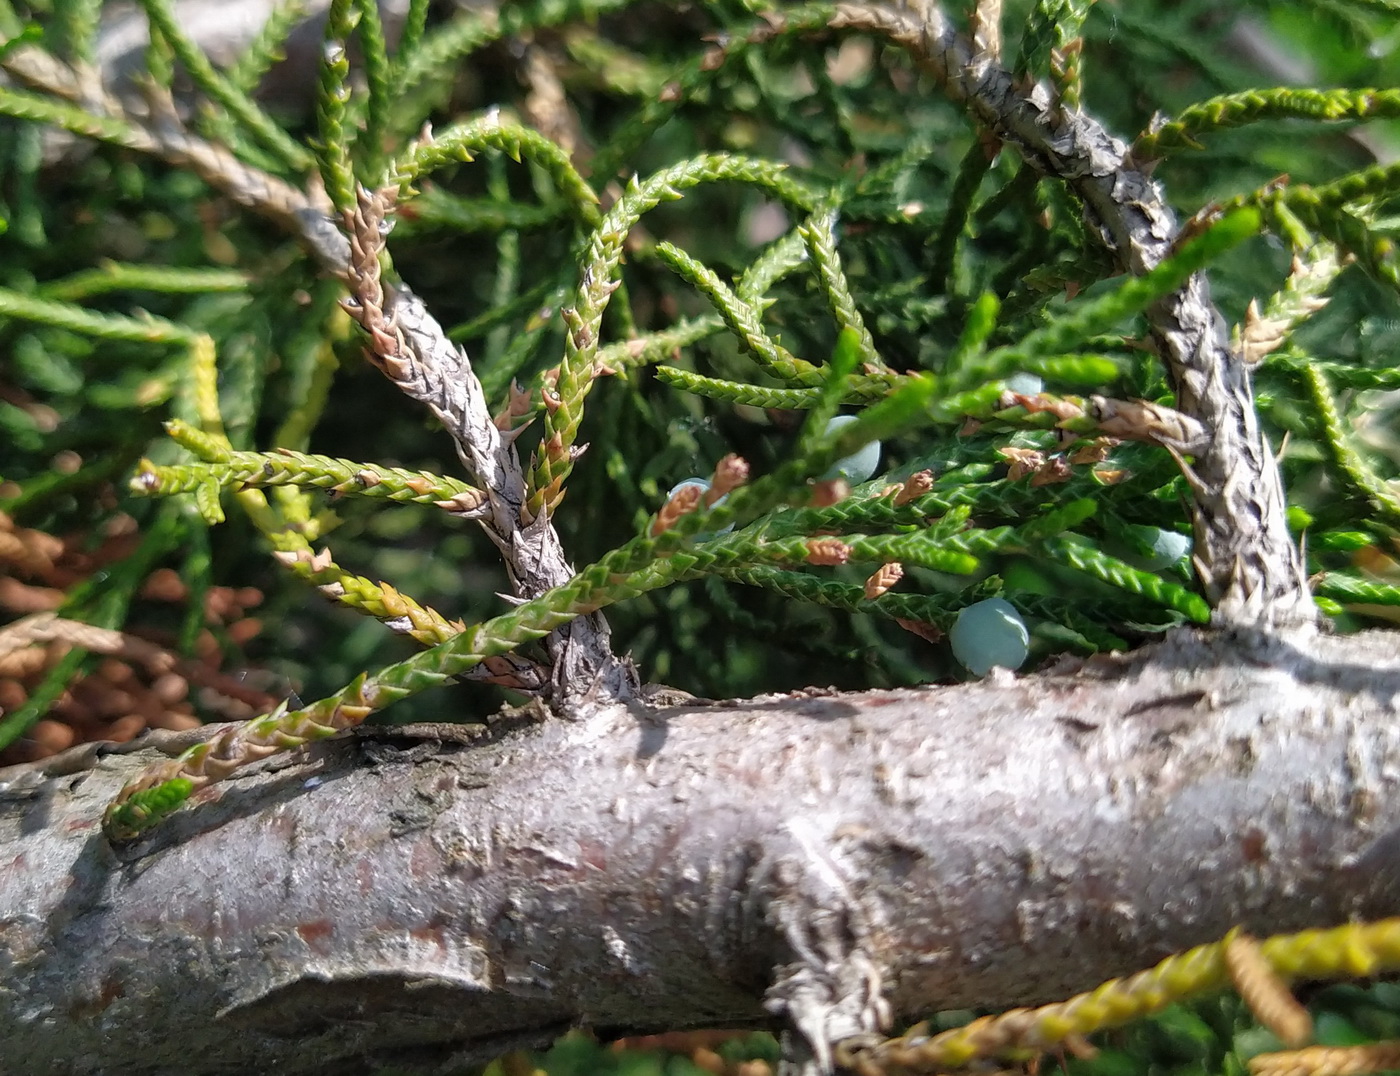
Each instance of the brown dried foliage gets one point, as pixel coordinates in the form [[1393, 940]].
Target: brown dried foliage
[[1329, 1060], [684, 501], [140, 683], [915, 486], [1265, 992]]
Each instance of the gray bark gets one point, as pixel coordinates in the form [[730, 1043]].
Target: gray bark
[[406, 898]]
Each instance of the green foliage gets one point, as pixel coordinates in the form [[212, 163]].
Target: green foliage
[[866, 249], [285, 467], [333, 156], [165, 26], [853, 200]]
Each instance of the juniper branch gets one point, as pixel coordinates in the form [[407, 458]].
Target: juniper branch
[[1251, 106], [1354, 949], [554, 459], [740, 318], [434, 370], [1252, 571], [412, 349], [285, 467]]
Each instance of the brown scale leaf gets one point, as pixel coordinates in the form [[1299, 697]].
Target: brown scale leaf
[[467, 502], [1095, 451], [1024, 461], [884, 577], [1039, 402], [928, 632], [829, 491], [731, 472], [518, 404], [684, 501], [827, 552], [915, 486], [1052, 472], [1139, 420]]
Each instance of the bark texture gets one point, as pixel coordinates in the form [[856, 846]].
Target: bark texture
[[825, 858]]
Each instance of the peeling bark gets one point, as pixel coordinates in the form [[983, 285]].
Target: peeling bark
[[823, 858]]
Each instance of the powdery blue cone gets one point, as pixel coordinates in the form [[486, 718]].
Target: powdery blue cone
[[703, 483], [859, 466], [1168, 547], [990, 633]]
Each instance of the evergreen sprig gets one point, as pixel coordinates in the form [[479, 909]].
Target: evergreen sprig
[[75, 29], [1083, 557], [459, 142], [1349, 588], [110, 276], [1348, 461], [372, 131], [937, 609], [220, 90], [1053, 25], [695, 76], [737, 392], [436, 52], [1356, 949], [332, 103], [1252, 106], [1105, 312], [99, 325], [974, 166], [237, 470], [781, 259], [819, 233], [37, 108], [553, 461], [741, 319], [266, 48]]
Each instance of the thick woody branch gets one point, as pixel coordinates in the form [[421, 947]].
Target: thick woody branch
[[427, 902], [1251, 568]]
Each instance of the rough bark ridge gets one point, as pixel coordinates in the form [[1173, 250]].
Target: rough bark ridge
[[432, 903]]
